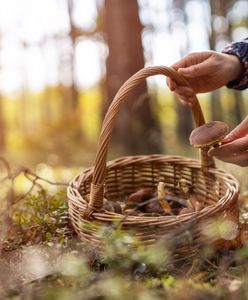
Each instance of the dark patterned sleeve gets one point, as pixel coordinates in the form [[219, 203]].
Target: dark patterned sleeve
[[240, 49]]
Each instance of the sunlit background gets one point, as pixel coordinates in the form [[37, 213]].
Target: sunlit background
[[35, 42], [53, 74]]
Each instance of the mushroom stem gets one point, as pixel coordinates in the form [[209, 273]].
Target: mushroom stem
[[161, 196]]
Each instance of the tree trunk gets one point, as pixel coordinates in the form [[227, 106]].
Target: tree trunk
[[137, 130], [73, 36], [239, 108], [218, 8], [184, 124]]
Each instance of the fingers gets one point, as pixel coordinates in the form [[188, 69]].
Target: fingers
[[195, 64], [185, 94], [237, 159], [236, 147], [240, 131], [235, 152], [198, 70], [192, 59], [192, 66], [185, 101], [171, 84], [184, 91]]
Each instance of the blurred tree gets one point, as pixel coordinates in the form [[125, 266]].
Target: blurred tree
[[221, 33], [137, 130], [73, 34], [67, 69], [66, 43], [218, 14], [239, 107], [24, 103], [179, 21]]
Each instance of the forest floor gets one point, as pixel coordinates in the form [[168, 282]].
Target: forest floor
[[42, 258]]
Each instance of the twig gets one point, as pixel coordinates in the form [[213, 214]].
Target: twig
[[45, 180], [10, 196]]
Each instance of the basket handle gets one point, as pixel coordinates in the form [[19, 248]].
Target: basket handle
[[97, 185]]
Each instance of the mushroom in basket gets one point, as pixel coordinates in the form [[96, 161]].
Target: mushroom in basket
[[146, 200], [136, 199], [161, 194], [193, 203]]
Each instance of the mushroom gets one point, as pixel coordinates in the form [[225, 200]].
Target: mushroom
[[193, 203], [155, 207], [161, 197], [184, 187], [185, 210], [209, 134], [141, 195]]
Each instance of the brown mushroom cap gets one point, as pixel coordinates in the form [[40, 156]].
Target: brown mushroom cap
[[140, 196], [208, 134]]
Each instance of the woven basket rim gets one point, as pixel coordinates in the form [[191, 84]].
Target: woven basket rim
[[104, 215], [196, 163]]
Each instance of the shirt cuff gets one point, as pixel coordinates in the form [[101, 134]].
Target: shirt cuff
[[240, 49]]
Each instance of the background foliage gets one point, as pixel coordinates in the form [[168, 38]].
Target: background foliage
[[60, 73]]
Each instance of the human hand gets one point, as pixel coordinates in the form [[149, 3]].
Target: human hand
[[205, 71], [234, 149]]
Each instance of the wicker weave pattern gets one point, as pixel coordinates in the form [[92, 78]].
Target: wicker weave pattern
[[217, 190]]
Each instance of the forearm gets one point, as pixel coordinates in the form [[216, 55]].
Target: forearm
[[240, 50]]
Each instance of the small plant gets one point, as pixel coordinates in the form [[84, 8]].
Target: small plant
[[41, 218]]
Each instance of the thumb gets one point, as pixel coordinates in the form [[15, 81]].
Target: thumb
[[232, 136], [197, 70], [238, 132]]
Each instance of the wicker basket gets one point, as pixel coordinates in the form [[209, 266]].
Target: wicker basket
[[217, 189]]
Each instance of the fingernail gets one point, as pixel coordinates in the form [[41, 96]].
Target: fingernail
[[186, 103], [172, 85], [227, 139]]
